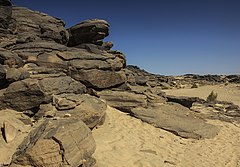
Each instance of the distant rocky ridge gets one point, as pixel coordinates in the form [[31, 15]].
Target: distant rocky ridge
[[56, 83], [141, 77]]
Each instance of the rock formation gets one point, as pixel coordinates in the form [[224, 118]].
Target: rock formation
[[55, 84]]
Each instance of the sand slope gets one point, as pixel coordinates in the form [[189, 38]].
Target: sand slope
[[126, 141]]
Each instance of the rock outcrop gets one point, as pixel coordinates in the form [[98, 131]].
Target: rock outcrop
[[56, 83], [176, 119], [89, 31], [64, 142]]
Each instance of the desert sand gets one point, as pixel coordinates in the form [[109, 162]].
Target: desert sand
[[229, 93], [124, 141]]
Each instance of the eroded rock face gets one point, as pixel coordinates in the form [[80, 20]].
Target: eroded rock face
[[30, 93], [57, 142], [89, 31], [122, 100], [35, 25], [91, 110], [15, 128], [5, 13], [99, 79]]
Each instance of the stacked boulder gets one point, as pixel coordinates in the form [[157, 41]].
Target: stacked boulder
[[55, 84], [47, 74]]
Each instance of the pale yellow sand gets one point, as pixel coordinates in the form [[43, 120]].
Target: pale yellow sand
[[124, 141], [230, 92]]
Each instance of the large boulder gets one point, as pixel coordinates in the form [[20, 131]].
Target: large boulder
[[54, 86], [89, 31], [13, 131], [33, 25], [23, 95], [123, 100], [176, 119], [90, 109], [99, 79], [30, 93], [184, 101], [10, 59], [64, 142], [5, 13]]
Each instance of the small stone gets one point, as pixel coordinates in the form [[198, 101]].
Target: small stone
[[67, 115], [10, 132]]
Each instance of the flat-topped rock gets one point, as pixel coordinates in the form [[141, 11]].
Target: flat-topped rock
[[176, 119], [89, 31]]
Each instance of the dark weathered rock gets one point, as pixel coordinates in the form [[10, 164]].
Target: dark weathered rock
[[3, 81], [37, 25], [57, 143], [89, 109], [37, 47], [107, 45], [5, 13], [220, 110], [10, 59], [45, 110], [184, 101], [99, 79], [176, 119], [89, 31], [30, 93], [233, 78], [84, 54], [16, 74], [59, 85], [24, 95], [123, 100]]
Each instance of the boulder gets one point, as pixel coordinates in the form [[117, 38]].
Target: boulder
[[89, 109], [16, 74], [176, 119], [184, 101], [3, 81], [30, 93], [89, 31], [54, 86], [45, 110], [99, 79], [37, 25], [10, 132], [64, 142], [10, 59], [13, 131], [5, 13], [123, 100], [24, 95], [107, 45]]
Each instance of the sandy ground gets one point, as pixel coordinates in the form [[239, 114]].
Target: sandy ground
[[124, 141], [230, 92]]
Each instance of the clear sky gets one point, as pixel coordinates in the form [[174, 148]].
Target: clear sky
[[169, 37]]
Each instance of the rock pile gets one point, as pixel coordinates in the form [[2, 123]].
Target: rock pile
[[137, 76], [45, 84], [55, 84]]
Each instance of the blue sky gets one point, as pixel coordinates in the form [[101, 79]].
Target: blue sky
[[169, 37]]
